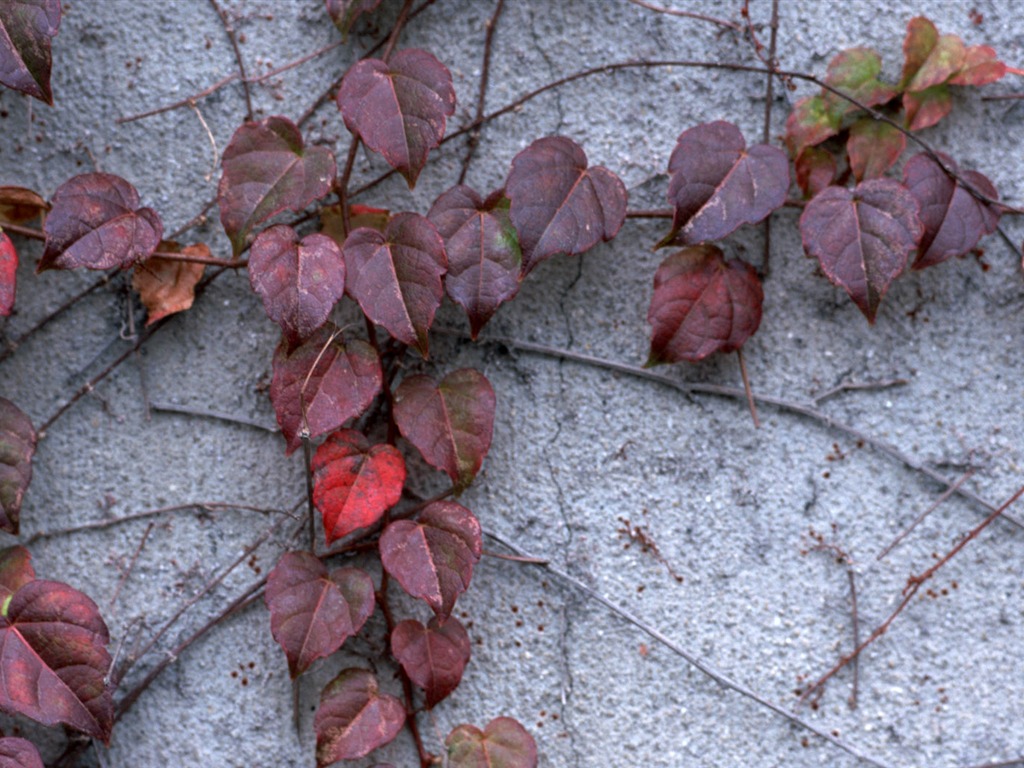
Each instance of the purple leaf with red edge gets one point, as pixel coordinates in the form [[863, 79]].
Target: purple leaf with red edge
[[862, 237], [267, 169], [718, 184], [345, 12], [504, 743], [53, 653], [19, 753], [322, 383], [433, 557], [926, 108], [855, 72], [484, 260], [96, 223], [873, 147], [981, 67], [8, 274], [313, 612], [433, 656], [398, 107], [809, 124], [450, 423], [396, 276], [17, 445], [354, 717], [930, 59], [26, 27], [954, 220], [15, 572], [815, 169], [299, 280], [354, 483], [702, 304], [559, 205]]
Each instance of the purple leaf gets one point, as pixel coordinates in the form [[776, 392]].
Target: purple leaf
[[26, 27], [354, 717], [810, 123], [433, 656], [559, 205], [504, 743], [17, 445], [815, 169], [19, 753]]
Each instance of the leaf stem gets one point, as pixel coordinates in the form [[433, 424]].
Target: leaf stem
[[229, 30], [474, 136], [747, 390]]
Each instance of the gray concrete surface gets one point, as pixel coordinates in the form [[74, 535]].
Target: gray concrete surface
[[576, 447]]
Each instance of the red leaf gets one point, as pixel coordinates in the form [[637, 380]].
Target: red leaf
[[396, 276], [433, 656], [267, 170], [17, 444], [345, 12], [19, 753], [433, 557], [702, 304], [327, 378], [815, 170], [873, 147], [504, 743], [926, 108], [855, 72], [15, 572], [930, 58], [809, 124], [54, 657], [954, 220], [168, 286], [312, 613], [19, 205], [8, 274], [718, 184], [299, 281], [862, 237], [97, 223], [354, 483], [398, 107], [26, 27], [981, 67], [354, 717], [559, 205], [450, 423], [484, 260]]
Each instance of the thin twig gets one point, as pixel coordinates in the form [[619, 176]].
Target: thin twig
[[688, 15], [396, 31], [931, 508], [130, 568], [208, 260], [206, 413], [180, 102], [474, 137], [766, 133], [859, 386], [213, 141], [229, 30], [746, 388]]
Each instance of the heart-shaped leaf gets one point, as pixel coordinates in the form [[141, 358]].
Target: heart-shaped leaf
[[926, 108], [395, 276], [815, 169], [322, 383], [718, 184], [8, 274], [19, 753], [954, 220], [168, 286], [96, 223], [873, 147], [354, 717], [980, 67], [15, 572], [702, 304], [433, 656], [19, 205], [862, 237], [855, 72], [345, 12], [354, 483], [559, 205], [398, 107], [450, 423], [299, 280], [267, 169], [809, 124], [930, 58], [312, 612], [433, 557], [17, 444], [504, 743], [26, 27], [484, 260], [54, 656]]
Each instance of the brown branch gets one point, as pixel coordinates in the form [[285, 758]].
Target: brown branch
[[931, 508], [474, 136], [210, 260], [33, 234], [688, 15], [130, 568], [746, 388], [229, 30]]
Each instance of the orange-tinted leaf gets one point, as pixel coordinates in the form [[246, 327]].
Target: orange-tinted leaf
[[433, 656], [268, 169], [354, 483], [345, 12], [855, 72], [559, 205], [954, 220], [450, 423], [354, 717], [19, 753], [862, 237], [484, 260], [925, 108], [313, 612], [930, 58], [702, 304], [398, 107], [718, 184], [168, 286], [504, 743], [396, 276], [15, 572], [815, 170], [809, 124], [17, 444], [8, 274], [332, 223], [981, 67], [19, 205], [26, 27], [322, 383], [873, 147], [54, 657], [299, 280], [433, 557], [96, 223]]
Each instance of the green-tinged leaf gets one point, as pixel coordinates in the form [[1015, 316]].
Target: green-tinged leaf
[[809, 124], [926, 108], [855, 72], [17, 444], [504, 743]]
